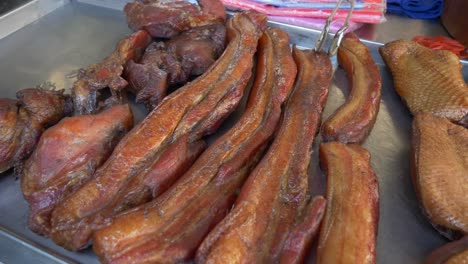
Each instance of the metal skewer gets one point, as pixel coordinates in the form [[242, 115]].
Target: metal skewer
[[335, 44]]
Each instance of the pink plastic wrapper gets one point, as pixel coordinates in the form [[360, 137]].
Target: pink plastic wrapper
[[368, 11]]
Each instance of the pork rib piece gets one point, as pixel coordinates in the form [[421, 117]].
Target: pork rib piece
[[66, 156], [173, 62], [168, 18], [353, 121], [107, 73], [182, 119], [273, 202], [440, 172], [22, 122], [349, 229], [428, 80], [202, 197]]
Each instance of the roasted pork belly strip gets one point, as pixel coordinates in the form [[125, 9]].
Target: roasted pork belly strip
[[440, 172], [301, 237], [349, 229], [107, 73], [353, 121], [455, 252], [191, 112], [273, 201], [200, 199], [22, 122], [66, 156], [428, 80], [168, 18]]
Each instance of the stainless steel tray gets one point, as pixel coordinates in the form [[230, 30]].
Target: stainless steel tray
[[75, 35]]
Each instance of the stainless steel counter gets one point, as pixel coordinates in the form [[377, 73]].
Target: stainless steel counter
[[397, 27]]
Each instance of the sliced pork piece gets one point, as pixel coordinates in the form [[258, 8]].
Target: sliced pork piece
[[353, 121], [66, 157], [349, 229]]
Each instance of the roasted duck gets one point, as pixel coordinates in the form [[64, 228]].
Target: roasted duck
[[202, 197], [107, 74], [428, 80], [66, 157], [168, 18], [273, 204], [182, 119], [173, 62], [349, 229], [440, 172], [22, 122], [452, 253], [354, 120]]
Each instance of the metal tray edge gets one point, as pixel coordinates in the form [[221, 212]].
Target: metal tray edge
[[27, 14]]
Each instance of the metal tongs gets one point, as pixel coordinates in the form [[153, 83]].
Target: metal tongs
[[335, 44]]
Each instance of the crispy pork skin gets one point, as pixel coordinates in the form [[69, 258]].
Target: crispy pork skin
[[440, 172], [107, 73], [353, 121], [200, 199], [273, 202], [170, 63], [191, 112], [168, 18], [22, 122], [67, 156], [349, 229], [455, 252], [428, 80]]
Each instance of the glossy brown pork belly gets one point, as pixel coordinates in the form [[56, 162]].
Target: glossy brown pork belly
[[170, 63], [66, 156], [107, 74], [202, 197], [353, 121], [168, 18], [22, 122], [273, 203], [440, 172], [187, 114], [429, 81], [349, 229]]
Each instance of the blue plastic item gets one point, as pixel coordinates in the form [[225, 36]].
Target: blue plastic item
[[420, 9]]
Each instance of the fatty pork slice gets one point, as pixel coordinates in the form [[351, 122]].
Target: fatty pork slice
[[66, 157]]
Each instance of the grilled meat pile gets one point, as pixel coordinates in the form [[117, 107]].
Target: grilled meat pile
[[177, 124]]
